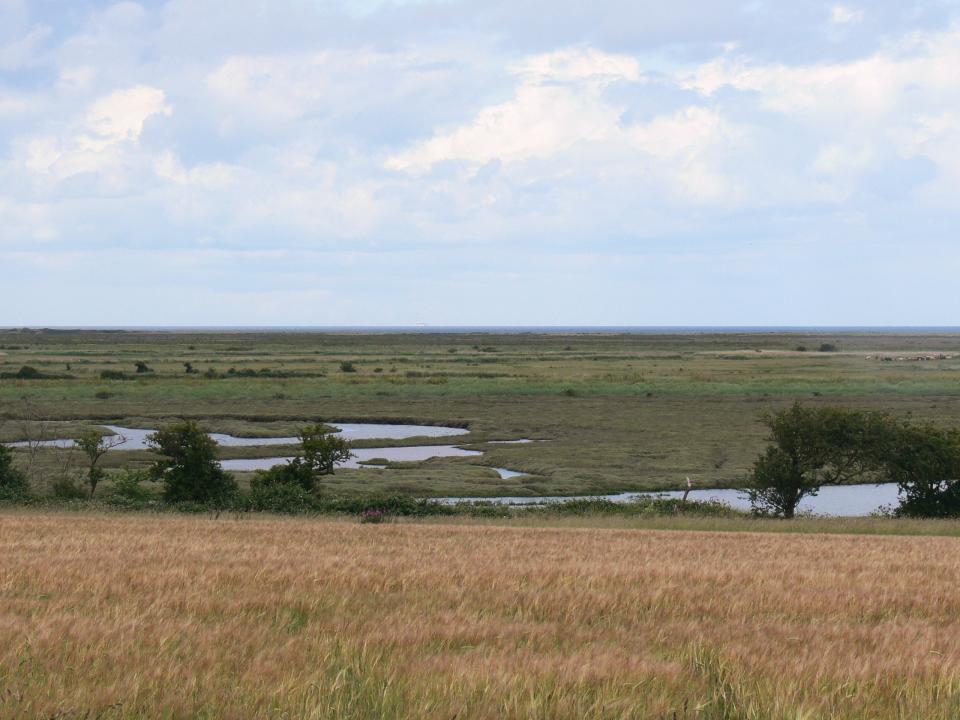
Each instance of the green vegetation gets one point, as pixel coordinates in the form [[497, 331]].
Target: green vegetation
[[189, 468], [828, 445], [610, 412], [13, 482]]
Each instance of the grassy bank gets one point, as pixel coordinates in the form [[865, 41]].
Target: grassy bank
[[173, 616]]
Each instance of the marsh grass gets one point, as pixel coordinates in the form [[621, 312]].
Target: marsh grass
[[642, 411]]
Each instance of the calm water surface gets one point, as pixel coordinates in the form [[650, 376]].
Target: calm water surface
[[136, 438]]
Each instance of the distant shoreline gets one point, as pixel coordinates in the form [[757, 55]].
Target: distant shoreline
[[502, 329]]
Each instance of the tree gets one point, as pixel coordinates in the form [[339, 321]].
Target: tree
[[94, 446], [812, 447], [925, 462], [189, 468], [12, 481], [322, 449]]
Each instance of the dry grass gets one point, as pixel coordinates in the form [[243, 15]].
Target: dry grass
[[134, 616]]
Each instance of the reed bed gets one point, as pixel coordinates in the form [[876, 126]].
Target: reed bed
[[171, 616]]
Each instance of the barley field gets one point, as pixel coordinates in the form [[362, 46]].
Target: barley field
[[130, 616]]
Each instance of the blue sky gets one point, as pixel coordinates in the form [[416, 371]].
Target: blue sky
[[511, 162]]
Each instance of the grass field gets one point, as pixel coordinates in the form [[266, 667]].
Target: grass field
[[173, 616], [615, 412]]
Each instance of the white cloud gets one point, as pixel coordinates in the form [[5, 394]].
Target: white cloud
[[120, 115], [845, 15], [104, 141], [558, 103], [864, 91], [559, 108], [538, 122], [578, 64], [210, 176]]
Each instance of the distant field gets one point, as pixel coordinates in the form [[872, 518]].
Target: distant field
[[174, 616], [616, 412]]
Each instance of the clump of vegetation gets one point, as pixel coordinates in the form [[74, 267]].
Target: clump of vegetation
[[347, 366], [188, 368], [812, 447], [127, 487], [13, 483], [142, 367], [65, 488], [292, 487], [827, 347], [28, 372], [925, 462], [277, 493], [95, 445], [112, 375], [189, 469]]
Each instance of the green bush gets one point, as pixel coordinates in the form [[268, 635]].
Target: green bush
[[65, 488], [287, 498], [127, 485], [112, 375], [651, 506], [189, 468], [296, 472], [925, 462], [13, 483]]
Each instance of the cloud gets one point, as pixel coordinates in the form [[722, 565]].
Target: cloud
[[423, 145], [845, 15], [120, 115], [104, 141]]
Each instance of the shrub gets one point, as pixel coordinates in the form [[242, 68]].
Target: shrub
[[296, 472], [280, 497], [322, 449], [112, 375], [142, 367], [64, 488], [127, 485], [12, 481], [347, 366], [398, 505], [189, 469], [29, 373], [925, 462], [828, 347]]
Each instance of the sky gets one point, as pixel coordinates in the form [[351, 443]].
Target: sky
[[479, 162]]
